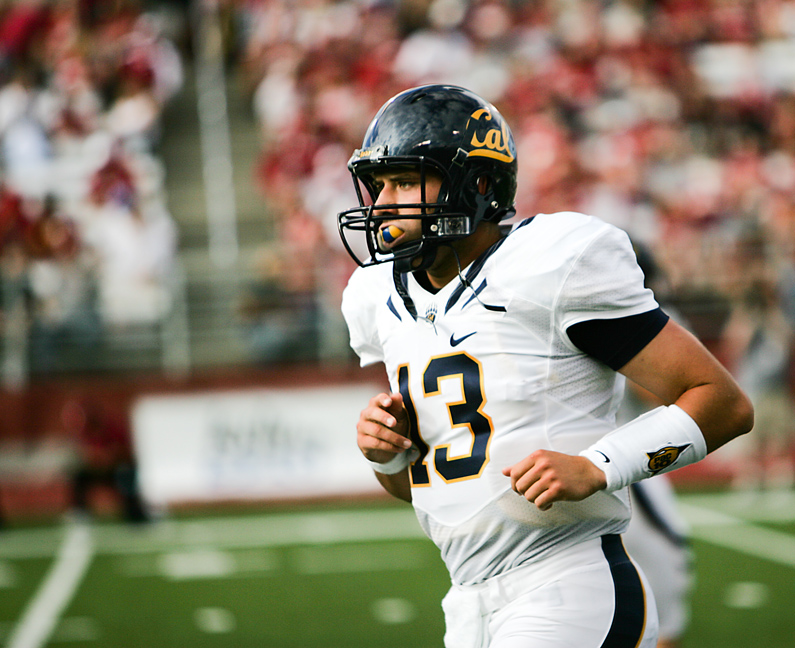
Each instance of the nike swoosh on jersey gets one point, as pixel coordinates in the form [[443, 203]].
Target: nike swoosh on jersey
[[607, 459], [456, 341]]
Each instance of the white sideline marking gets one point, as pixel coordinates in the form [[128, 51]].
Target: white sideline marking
[[736, 534], [197, 564], [200, 563], [45, 608], [213, 620], [753, 506], [746, 595], [283, 529], [393, 611], [339, 527]]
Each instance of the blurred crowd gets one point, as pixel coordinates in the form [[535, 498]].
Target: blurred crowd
[[674, 119], [86, 240]]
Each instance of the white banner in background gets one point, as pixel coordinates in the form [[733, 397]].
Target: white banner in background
[[265, 443]]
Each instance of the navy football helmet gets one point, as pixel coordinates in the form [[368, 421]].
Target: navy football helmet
[[452, 132]]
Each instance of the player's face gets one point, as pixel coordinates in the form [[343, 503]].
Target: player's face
[[402, 187]]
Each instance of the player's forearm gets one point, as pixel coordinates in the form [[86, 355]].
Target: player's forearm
[[397, 485], [679, 370], [672, 436]]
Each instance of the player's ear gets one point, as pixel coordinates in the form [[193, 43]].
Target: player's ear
[[484, 182]]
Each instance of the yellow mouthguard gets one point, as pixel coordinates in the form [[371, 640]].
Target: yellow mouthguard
[[390, 233]]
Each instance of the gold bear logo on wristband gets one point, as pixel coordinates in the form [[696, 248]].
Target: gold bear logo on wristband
[[664, 457]]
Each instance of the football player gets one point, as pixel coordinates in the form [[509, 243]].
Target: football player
[[506, 350]]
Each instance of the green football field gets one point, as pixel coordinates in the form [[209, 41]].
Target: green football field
[[342, 576]]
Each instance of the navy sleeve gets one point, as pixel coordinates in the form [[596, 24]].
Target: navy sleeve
[[616, 341]]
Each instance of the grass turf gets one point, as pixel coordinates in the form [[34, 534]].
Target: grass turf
[[353, 576]]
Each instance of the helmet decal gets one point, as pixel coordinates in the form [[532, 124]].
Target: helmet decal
[[495, 141]]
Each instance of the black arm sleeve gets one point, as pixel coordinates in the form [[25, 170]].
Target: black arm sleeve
[[616, 341]]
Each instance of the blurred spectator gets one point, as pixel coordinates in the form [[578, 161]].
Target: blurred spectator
[[51, 234], [61, 292], [21, 25], [14, 279], [280, 323], [439, 52], [133, 114], [760, 335], [132, 238], [282, 307], [24, 141], [149, 45], [75, 110], [12, 219], [105, 457]]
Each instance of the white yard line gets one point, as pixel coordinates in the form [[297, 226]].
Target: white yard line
[[45, 608], [254, 531], [706, 513], [734, 533], [752, 506]]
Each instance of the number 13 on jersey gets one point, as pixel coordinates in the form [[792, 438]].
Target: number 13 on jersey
[[466, 413]]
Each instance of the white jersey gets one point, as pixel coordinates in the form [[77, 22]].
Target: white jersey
[[489, 375]]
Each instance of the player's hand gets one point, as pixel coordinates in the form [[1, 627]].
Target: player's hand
[[382, 430], [545, 477]]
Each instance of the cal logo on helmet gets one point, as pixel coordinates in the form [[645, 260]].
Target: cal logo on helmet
[[488, 142], [664, 457]]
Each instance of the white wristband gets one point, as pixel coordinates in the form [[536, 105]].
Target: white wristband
[[657, 442], [397, 463]]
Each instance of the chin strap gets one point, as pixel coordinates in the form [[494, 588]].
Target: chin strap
[[421, 261]]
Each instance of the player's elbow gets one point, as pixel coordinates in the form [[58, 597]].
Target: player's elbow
[[744, 415], [738, 417]]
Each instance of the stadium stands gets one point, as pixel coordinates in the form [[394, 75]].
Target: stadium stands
[[673, 120]]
